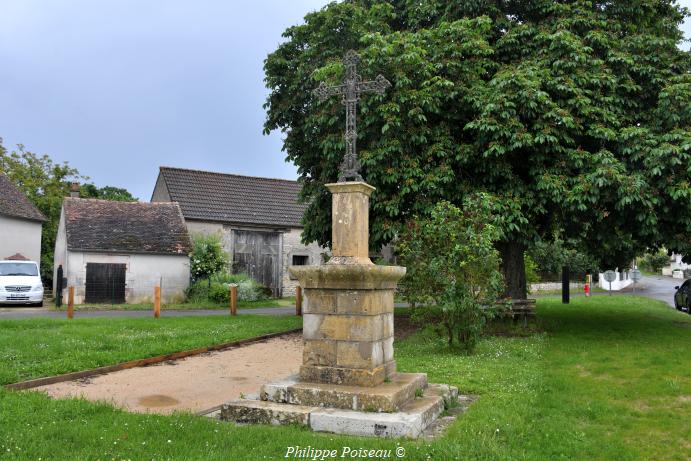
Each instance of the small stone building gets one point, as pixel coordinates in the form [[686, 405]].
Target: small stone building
[[118, 252], [257, 219], [20, 224]]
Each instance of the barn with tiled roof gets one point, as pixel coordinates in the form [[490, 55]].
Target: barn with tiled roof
[[119, 252], [259, 220]]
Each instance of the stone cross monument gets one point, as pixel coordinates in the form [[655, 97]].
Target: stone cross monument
[[348, 381]]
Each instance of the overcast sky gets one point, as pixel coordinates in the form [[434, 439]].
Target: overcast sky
[[119, 87]]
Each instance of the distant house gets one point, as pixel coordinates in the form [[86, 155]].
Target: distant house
[[676, 264], [117, 252], [20, 224], [257, 219]]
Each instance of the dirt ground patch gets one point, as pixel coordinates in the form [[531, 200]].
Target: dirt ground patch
[[195, 383], [199, 382]]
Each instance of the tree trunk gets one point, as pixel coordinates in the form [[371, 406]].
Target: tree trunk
[[513, 268]]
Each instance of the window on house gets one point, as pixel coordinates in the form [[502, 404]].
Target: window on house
[[300, 260]]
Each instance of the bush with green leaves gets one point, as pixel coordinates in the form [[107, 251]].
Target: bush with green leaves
[[551, 256], [453, 268], [207, 256], [217, 289], [531, 271], [654, 262]]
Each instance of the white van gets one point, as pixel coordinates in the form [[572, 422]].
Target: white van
[[20, 283]]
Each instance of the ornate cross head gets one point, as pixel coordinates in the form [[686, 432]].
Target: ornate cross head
[[350, 91]]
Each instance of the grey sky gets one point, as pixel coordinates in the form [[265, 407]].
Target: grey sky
[[119, 87]]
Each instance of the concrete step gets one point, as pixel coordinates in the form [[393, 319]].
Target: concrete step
[[263, 412], [410, 422], [448, 393], [386, 397], [413, 419]]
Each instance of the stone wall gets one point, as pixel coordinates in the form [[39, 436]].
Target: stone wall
[[292, 246], [553, 286], [143, 273], [290, 243]]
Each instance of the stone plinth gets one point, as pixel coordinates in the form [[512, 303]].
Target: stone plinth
[[348, 323]]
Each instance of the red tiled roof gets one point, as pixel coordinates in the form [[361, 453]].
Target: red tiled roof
[[14, 203], [129, 227]]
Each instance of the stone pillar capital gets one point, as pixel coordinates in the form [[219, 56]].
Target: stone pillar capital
[[350, 187]]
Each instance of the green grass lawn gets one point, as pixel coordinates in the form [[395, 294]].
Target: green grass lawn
[[607, 378], [34, 348], [274, 302]]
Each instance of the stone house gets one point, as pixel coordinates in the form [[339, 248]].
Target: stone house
[[118, 252], [257, 219], [21, 224]]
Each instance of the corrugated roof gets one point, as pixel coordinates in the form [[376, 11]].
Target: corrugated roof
[[14, 203], [129, 227], [209, 196]]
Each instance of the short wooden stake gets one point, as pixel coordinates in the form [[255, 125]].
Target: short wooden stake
[[298, 301], [233, 299], [70, 303], [157, 302]]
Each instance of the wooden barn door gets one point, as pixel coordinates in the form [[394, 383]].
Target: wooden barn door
[[258, 255], [105, 283]]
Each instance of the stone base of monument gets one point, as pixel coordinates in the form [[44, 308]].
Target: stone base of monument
[[403, 407], [348, 382]]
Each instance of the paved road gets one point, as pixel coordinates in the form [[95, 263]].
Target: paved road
[[659, 287], [655, 287]]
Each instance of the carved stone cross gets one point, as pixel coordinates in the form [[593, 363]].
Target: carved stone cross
[[350, 90]]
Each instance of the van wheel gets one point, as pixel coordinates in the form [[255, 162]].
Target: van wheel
[[39, 304]]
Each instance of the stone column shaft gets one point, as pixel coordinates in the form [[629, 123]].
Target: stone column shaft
[[350, 222]]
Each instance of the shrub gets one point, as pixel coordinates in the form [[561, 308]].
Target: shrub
[[551, 256], [654, 262], [207, 256], [531, 270], [216, 289], [453, 269]]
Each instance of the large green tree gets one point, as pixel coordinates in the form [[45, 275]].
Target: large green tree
[[574, 114], [106, 193], [46, 184]]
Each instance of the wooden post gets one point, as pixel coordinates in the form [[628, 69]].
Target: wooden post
[[157, 302], [298, 301], [233, 299], [70, 303]]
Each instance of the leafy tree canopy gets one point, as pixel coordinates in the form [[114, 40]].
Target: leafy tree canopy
[[45, 183], [106, 193], [574, 114]]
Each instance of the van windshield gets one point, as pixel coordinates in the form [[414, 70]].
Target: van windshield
[[18, 269]]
